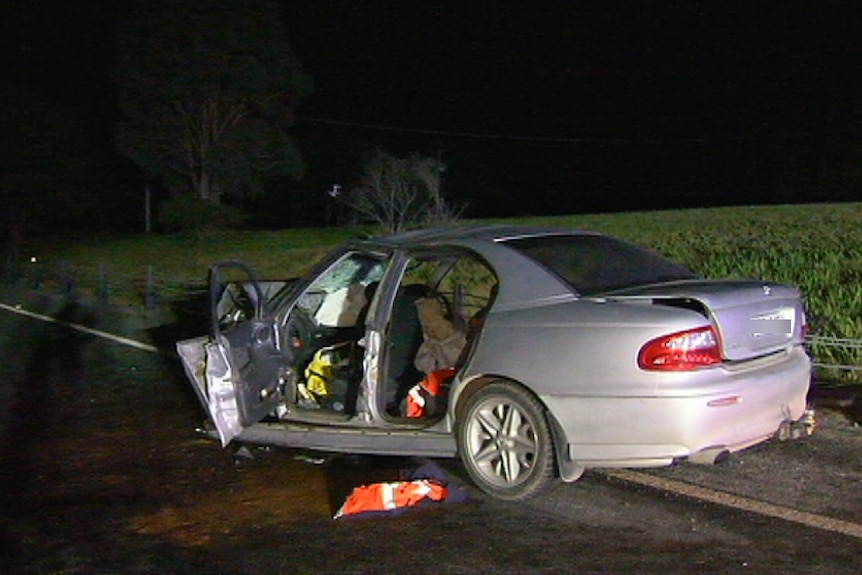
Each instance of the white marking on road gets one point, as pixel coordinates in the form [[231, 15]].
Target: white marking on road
[[739, 502], [82, 328]]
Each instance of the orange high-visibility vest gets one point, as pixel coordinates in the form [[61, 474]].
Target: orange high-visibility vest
[[390, 496], [431, 385]]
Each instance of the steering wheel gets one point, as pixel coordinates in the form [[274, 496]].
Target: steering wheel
[[300, 330], [445, 305]]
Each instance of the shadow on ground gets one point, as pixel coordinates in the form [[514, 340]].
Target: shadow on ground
[[842, 398]]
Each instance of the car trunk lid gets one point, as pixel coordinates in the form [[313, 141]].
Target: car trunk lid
[[752, 318]]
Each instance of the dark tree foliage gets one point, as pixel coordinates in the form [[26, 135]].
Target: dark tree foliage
[[208, 90], [44, 161]]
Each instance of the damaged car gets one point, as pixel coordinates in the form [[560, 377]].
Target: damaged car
[[531, 354]]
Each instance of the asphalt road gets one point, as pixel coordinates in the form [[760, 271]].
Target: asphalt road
[[102, 470]]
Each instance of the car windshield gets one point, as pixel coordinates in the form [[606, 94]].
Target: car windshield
[[594, 264]]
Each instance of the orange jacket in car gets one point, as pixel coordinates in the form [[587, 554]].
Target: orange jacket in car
[[429, 388]]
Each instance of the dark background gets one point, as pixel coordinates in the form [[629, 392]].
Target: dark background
[[535, 107]]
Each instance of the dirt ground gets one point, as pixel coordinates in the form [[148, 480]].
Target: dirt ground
[[102, 470]]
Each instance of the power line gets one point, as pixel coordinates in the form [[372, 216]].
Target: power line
[[455, 134], [579, 140]]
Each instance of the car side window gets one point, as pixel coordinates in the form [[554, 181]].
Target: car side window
[[593, 264], [471, 284]]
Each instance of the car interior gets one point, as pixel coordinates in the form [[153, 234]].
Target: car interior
[[326, 326]]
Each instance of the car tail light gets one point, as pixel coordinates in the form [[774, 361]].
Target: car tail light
[[682, 351]]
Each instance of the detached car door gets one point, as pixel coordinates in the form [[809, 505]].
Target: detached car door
[[236, 371]]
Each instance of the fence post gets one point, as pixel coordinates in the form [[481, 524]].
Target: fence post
[[10, 271], [35, 273], [66, 283], [150, 290], [102, 286]]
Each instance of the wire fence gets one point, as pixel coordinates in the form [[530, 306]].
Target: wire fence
[[818, 345], [146, 288], [833, 357]]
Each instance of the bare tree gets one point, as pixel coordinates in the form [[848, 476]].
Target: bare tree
[[397, 193]]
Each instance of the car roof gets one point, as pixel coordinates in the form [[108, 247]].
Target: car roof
[[459, 233], [523, 282]]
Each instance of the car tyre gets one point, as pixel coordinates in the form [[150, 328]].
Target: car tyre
[[505, 442]]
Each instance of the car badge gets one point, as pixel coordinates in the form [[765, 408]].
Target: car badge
[[767, 290]]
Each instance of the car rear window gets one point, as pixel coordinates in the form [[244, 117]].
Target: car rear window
[[593, 264]]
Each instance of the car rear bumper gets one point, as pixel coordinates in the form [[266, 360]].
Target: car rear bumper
[[725, 410]]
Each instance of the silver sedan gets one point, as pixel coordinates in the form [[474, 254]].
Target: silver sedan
[[530, 353]]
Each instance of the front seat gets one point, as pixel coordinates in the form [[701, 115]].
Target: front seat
[[404, 339]]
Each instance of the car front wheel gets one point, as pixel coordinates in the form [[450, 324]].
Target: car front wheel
[[505, 442]]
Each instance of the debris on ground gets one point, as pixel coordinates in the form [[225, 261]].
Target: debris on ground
[[428, 484]]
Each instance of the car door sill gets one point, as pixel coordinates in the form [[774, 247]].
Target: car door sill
[[362, 440]]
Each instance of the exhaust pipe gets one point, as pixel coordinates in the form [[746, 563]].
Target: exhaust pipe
[[802, 427], [709, 456]]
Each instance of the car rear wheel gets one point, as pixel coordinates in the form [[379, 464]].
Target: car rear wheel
[[505, 442]]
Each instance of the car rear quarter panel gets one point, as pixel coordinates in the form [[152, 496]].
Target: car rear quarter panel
[[581, 348], [618, 431], [580, 358]]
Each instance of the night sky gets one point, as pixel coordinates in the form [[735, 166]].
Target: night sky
[[578, 106], [576, 70]]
